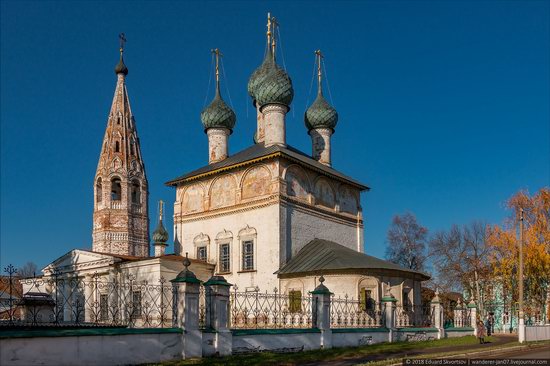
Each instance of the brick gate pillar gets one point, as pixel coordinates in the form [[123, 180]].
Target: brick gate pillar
[[321, 312], [217, 314], [186, 311]]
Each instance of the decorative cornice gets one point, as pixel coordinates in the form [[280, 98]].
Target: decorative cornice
[[225, 211], [277, 154]]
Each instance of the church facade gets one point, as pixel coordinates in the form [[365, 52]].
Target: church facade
[[269, 217]]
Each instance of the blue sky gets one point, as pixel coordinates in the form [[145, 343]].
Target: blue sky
[[444, 105]]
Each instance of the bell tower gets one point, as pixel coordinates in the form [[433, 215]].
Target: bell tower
[[121, 221]]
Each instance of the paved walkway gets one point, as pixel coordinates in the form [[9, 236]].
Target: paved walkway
[[498, 339]]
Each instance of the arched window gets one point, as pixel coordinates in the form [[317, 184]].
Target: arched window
[[116, 190], [136, 192], [117, 146], [98, 190], [118, 120]]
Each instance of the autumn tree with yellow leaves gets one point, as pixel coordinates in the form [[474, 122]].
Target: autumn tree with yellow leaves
[[503, 241]]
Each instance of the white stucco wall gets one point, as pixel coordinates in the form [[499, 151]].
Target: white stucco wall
[[459, 333], [355, 338], [277, 341], [101, 350], [264, 221], [349, 284]]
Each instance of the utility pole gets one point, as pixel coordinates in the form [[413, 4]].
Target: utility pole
[[521, 325]]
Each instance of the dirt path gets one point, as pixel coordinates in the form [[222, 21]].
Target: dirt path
[[498, 339]]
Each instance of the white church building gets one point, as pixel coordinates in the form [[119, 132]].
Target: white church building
[[267, 217]]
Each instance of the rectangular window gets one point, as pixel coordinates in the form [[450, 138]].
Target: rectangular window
[[295, 301], [248, 255], [103, 307], [202, 254], [225, 256], [136, 304]]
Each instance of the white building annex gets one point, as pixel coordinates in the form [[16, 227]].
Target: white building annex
[[267, 217]]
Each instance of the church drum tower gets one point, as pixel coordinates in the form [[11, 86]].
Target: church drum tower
[[121, 222]]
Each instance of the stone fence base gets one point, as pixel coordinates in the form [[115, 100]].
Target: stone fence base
[[122, 346]]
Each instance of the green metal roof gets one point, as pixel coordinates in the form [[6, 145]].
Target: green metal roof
[[324, 256], [258, 151]]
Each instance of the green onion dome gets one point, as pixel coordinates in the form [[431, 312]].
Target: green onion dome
[[259, 74], [120, 68], [275, 88], [321, 114], [160, 235], [218, 114]]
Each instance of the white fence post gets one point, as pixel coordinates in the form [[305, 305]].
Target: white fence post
[[217, 314], [389, 308], [186, 310], [472, 307], [321, 312], [437, 311]]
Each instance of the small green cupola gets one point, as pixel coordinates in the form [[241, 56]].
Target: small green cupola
[[160, 235], [218, 114], [320, 114], [121, 68]]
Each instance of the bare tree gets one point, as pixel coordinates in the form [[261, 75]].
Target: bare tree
[[407, 242], [461, 258], [29, 269]]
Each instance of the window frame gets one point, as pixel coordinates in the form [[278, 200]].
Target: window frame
[[220, 261], [205, 248], [244, 266]]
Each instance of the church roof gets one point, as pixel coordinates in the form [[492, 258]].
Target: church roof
[[259, 151], [323, 256]]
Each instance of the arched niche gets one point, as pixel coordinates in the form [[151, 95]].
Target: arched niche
[[116, 189], [324, 193], [255, 182], [136, 192], [348, 199], [297, 184], [193, 199], [369, 292], [223, 192], [99, 190]]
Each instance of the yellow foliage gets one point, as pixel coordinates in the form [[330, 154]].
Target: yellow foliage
[[504, 242]]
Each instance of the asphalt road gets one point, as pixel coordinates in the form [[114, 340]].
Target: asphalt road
[[543, 353]]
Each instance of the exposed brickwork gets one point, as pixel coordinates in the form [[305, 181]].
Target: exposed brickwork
[[121, 221]]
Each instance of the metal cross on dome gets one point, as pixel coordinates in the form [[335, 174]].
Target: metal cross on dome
[[122, 39]]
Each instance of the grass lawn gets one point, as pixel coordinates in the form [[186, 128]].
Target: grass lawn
[[268, 358]]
